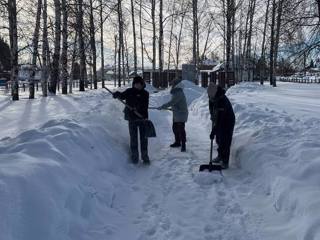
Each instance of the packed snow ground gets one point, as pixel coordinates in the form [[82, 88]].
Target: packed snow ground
[[64, 171]]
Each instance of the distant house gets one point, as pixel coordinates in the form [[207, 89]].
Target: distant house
[[208, 64], [25, 73]]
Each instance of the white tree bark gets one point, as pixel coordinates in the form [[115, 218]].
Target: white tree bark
[[35, 43], [64, 55], [93, 46], [81, 46], [102, 41], [134, 36], [45, 51], [54, 77], [13, 33]]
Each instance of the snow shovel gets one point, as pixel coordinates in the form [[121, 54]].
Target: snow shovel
[[212, 166], [150, 129]]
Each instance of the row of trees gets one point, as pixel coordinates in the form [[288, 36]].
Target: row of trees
[[59, 34]]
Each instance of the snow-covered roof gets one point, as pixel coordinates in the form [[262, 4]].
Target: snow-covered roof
[[218, 67]]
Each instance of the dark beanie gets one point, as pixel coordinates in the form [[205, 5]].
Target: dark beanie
[[138, 79]]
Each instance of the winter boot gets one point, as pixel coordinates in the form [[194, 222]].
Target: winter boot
[[217, 160], [224, 165], [175, 145], [183, 147], [146, 160]]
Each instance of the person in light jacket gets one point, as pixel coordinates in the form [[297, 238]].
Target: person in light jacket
[[179, 107]]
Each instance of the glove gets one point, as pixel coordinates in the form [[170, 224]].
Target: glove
[[116, 94], [212, 134]]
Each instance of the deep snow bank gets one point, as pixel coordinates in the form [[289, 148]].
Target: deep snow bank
[[277, 146], [67, 178]]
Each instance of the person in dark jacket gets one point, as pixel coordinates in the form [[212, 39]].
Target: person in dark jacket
[[138, 100], [223, 120], [179, 107]]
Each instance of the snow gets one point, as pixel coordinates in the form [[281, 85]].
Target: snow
[[65, 171]]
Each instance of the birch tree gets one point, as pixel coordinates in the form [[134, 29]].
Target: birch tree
[[45, 51], [102, 42], [81, 46], [161, 36], [93, 46], [54, 77], [35, 43], [134, 36], [64, 55], [13, 33]]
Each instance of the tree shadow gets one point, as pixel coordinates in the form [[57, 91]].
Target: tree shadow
[[4, 106]]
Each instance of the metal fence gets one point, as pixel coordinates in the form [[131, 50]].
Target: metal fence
[[24, 86], [311, 79]]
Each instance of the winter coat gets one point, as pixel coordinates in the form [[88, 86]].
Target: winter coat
[[178, 104], [137, 99], [222, 115]]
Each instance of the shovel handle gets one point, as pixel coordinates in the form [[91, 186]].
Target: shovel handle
[[132, 109], [211, 146]]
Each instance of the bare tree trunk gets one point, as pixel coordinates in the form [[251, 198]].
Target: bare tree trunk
[[102, 40], [123, 59], [170, 38], [252, 7], [240, 50], [224, 29], [195, 35], [54, 78], [178, 47], [233, 18], [134, 36], [228, 34], [45, 52], [115, 60], [278, 29], [272, 41], [263, 47], [251, 16], [209, 31], [13, 32], [93, 47], [64, 55], [318, 3], [35, 43], [153, 9], [127, 55], [121, 44], [81, 47], [73, 61], [161, 36], [120, 41], [244, 52], [197, 45], [141, 37]]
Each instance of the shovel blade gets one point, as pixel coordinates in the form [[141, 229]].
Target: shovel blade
[[210, 167]]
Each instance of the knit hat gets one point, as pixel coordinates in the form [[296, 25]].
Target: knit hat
[[212, 90], [138, 79]]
